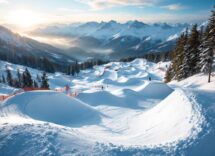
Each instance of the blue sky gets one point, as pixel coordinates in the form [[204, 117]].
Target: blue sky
[[32, 12]]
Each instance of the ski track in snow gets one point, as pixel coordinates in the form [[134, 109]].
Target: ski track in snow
[[130, 116]]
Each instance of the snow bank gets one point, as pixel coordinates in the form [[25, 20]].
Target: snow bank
[[156, 90], [52, 107], [106, 98], [171, 121], [5, 90], [198, 81], [147, 94]]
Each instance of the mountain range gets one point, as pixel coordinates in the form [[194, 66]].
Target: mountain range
[[115, 40], [100, 40]]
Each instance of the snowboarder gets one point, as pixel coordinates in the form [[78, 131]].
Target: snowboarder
[[150, 78]]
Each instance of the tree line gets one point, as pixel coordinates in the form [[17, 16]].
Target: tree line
[[193, 53], [24, 79], [153, 57], [49, 66], [76, 67]]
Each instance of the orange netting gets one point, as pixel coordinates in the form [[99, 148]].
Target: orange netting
[[27, 89]]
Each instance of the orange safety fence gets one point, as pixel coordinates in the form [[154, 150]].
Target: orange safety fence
[[3, 97], [27, 89]]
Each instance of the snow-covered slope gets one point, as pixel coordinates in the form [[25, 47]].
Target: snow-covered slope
[[117, 112], [51, 107], [16, 45]]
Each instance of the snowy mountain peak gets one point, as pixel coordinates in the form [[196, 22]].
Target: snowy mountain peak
[[136, 24]]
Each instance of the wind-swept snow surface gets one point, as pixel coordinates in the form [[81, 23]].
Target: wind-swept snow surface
[[51, 107], [117, 112]]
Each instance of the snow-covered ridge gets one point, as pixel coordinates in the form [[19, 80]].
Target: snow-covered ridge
[[108, 30]]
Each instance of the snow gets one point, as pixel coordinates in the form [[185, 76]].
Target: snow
[[130, 115], [52, 107], [173, 37], [196, 82], [5, 89]]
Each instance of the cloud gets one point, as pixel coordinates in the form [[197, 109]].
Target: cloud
[[102, 4], [4, 2], [69, 10], [174, 7]]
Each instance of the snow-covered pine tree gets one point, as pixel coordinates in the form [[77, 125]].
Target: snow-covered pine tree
[[208, 47], [44, 82], [19, 77], [176, 68], [193, 51], [38, 78], [180, 56], [26, 79], [169, 74], [206, 52], [29, 79], [9, 77], [35, 84]]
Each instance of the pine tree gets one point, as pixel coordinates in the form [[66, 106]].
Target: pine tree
[[77, 68], [48, 65], [193, 51], [38, 78], [44, 82], [179, 57], [29, 81], [176, 70], [19, 77], [24, 80], [186, 67], [169, 74], [3, 79], [9, 77], [207, 47], [69, 70], [35, 84]]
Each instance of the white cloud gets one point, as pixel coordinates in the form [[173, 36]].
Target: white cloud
[[4, 2], [101, 4], [69, 10], [174, 7]]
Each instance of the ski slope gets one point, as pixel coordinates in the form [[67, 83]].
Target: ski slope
[[117, 112]]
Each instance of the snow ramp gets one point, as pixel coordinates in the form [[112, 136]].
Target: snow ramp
[[52, 107], [176, 121], [155, 90]]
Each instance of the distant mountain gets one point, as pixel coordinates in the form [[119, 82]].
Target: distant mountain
[[118, 39], [15, 44]]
